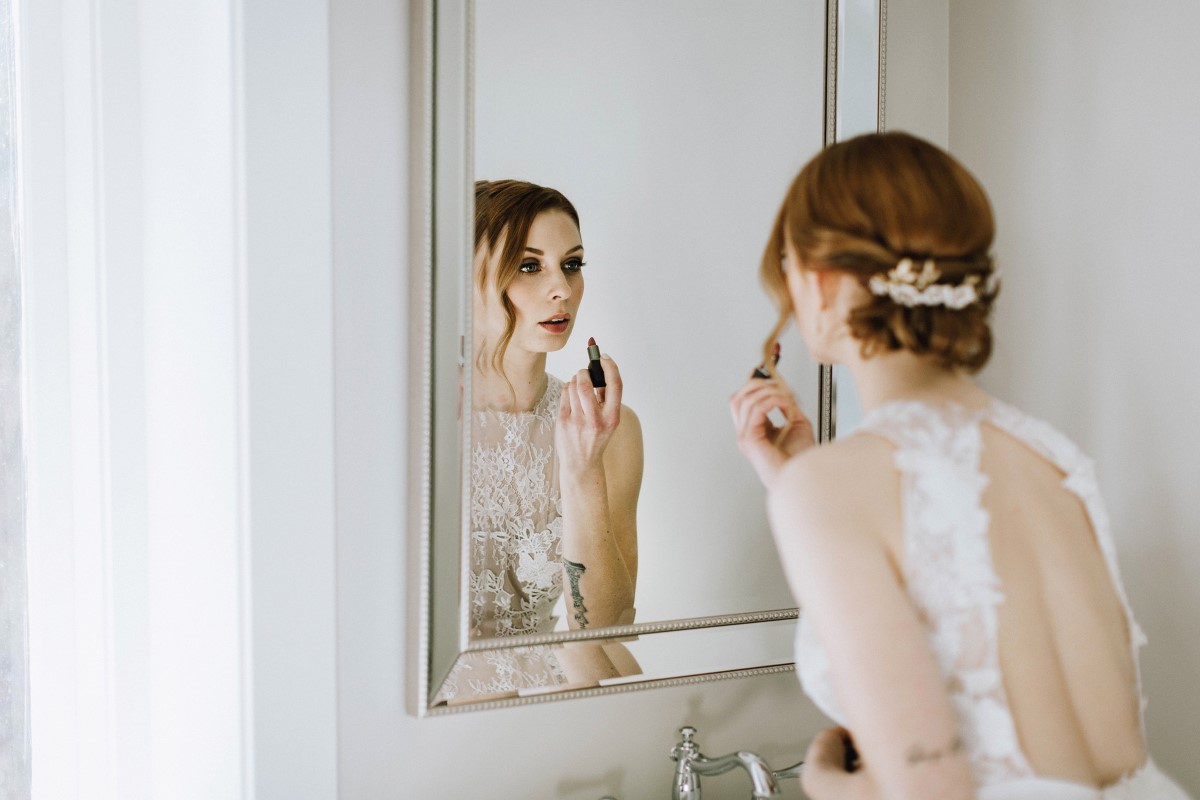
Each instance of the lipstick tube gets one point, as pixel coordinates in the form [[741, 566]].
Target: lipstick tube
[[595, 370], [762, 371]]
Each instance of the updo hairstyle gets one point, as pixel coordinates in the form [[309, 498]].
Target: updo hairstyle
[[863, 205], [505, 210]]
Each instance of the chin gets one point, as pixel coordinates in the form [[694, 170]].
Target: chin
[[545, 343], [821, 356]]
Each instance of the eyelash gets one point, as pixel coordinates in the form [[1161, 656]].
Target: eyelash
[[573, 265]]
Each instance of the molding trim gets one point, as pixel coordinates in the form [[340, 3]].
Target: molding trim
[[420, 501], [881, 104], [623, 631], [604, 691]]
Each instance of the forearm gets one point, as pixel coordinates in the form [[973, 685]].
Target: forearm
[[596, 580]]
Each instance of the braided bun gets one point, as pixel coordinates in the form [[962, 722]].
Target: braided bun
[[863, 207]]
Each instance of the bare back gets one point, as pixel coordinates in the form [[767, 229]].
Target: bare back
[[1064, 638]]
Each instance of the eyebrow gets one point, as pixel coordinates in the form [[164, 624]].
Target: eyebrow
[[535, 251]]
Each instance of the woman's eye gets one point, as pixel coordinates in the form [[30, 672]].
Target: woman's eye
[[529, 266], [574, 265]]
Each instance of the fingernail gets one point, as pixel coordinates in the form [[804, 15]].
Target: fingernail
[[606, 355]]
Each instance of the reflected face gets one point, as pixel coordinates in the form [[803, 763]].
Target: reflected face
[[547, 288]]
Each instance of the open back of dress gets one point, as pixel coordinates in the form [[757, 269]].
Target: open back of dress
[[1009, 561]]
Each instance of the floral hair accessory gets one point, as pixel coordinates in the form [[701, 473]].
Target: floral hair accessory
[[910, 288]]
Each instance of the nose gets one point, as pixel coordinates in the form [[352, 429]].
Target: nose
[[560, 289]]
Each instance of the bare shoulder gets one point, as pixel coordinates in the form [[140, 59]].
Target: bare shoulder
[[627, 438], [630, 424], [623, 457], [847, 488]]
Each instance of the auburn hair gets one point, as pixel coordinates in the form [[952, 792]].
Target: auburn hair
[[861, 206], [504, 212]]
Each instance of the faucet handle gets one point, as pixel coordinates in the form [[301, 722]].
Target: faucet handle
[[686, 747]]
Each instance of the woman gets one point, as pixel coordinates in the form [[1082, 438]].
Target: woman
[[556, 466], [963, 614]]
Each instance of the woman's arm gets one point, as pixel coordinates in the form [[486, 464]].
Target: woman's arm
[[829, 509], [599, 448]]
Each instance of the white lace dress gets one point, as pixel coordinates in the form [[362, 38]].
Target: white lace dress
[[950, 578], [516, 558]]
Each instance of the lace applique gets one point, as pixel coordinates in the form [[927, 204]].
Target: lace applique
[[948, 566], [516, 560], [516, 519], [949, 573], [494, 672]]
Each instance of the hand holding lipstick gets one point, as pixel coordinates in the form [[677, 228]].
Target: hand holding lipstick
[[766, 445], [598, 447], [589, 413]]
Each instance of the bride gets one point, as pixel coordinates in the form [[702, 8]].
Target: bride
[[556, 466], [964, 619]]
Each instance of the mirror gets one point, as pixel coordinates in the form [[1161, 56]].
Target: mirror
[[673, 128]]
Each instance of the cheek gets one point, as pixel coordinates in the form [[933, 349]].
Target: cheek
[[795, 290], [519, 296], [487, 316]]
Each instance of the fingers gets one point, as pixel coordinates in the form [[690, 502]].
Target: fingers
[[759, 386], [824, 764], [753, 401], [756, 411], [603, 402], [612, 376], [584, 394], [828, 749], [564, 403]]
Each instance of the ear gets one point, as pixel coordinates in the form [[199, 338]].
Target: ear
[[829, 286]]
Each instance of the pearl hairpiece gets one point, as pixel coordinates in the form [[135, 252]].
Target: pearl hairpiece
[[904, 285]]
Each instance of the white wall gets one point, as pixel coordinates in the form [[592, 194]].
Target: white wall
[[1080, 118], [917, 85]]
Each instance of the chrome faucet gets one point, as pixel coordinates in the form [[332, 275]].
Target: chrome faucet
[[788, 772], [690, 765]]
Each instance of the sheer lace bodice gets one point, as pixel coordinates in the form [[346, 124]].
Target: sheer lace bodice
[[948, 569], [516, 560], [516, 519]]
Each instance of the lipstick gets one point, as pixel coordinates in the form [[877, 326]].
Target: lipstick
[[594, 369], [762, 371]]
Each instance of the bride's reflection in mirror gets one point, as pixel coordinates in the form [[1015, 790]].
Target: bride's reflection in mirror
[[556, 465]]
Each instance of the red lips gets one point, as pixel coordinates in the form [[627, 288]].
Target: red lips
[[556, 324]]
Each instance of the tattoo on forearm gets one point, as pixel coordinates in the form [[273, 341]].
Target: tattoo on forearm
[[919, 755], [573, 572]]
